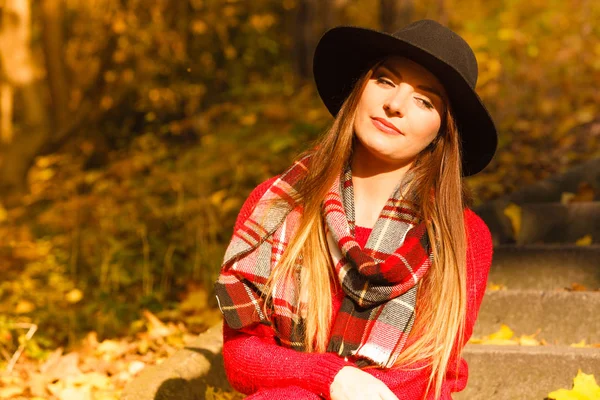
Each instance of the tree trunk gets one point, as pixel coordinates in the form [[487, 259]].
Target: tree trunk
[[312, 19], [53, 52], [395, 14], [17, 156], [304, 37], [17, 151]]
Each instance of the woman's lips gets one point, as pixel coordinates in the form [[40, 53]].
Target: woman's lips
[[385, 126]]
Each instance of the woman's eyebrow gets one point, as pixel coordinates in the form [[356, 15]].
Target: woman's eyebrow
[[422, 87]]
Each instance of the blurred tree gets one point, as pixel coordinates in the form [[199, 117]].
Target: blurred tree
[[313, 18], [52, 37], [394, 14], [17, 150]]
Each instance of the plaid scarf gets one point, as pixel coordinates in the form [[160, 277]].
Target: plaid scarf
[[379, 281]]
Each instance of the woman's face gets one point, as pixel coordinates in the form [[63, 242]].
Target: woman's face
[[399, 111]]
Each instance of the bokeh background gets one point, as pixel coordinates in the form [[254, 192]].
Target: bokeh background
[[131, 132]]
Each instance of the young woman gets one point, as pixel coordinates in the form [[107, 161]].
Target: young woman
[[358, 272]]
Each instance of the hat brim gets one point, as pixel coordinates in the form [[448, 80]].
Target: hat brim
[[345, 53]]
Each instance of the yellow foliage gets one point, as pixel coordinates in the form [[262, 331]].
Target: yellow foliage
[[24, 307], [74, 296], [584, 388], [248, 120], [3, 213]]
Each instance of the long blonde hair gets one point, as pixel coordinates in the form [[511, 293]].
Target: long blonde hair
[[441, 296]]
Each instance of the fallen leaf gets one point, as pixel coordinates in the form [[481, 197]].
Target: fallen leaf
[[135, 367], [64, 367], [9, 391], [584, 241], [584, 388], [585, 193], [91, 379], [577, 287], [110, 349], [24, 307], [78, 393], [156, 328], [567, 197], [529, 340], [504, 333], [581, 343], [513, 213], [495, 286]]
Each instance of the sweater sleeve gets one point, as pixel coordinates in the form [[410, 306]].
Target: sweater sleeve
[[411, 385], [253, 360]]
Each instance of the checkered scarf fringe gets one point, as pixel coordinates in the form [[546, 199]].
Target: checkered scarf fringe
[[380, 281]]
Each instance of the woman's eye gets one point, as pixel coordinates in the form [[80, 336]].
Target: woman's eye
[[425, 103], [384, 81]]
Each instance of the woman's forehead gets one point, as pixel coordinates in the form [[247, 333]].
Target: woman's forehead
[[403, 66]]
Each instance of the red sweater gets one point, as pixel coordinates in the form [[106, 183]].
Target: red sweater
[[256, 365]]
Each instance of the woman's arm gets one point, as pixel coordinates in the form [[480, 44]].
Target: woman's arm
[[253, 361]]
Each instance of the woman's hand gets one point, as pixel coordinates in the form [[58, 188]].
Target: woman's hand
[[354, 384]]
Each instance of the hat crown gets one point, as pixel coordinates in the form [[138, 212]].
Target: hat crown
[[449, 47]]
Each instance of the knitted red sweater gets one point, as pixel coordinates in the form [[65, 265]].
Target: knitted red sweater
[[256, 365]]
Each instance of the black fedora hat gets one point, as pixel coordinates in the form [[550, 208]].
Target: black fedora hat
[[344, 53]]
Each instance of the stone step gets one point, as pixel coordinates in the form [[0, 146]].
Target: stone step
[[548, 266], [543, 222], [563, 317], [186, 375], [559, 223], [548, 190], [524, 372], [495, 372], [552, 189]]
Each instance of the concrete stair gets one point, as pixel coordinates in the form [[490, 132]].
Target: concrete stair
[[535, 300], [537, 268], [524, 373]]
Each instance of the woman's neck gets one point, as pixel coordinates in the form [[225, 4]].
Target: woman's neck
[[373, 182]]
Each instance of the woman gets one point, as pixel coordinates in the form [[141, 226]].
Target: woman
[[358, 273]]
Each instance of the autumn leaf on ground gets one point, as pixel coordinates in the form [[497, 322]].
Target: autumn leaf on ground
[[513, 213], [584, 241], [567, 197], [529, 340], [585, 192], [581, 343], [504, 336], [577, 287], [584, 388], [496, 286], [156, 328]]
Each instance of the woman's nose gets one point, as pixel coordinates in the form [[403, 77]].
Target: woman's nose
[[395, 103]]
